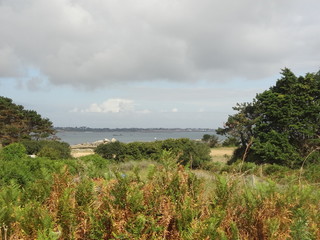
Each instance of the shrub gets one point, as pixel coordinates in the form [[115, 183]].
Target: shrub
[[13, 172], [84, 192], [113, 150], [93, 165], [274, 169], [49, 152], [62, 147], [13, 152], [143, 150], [311, 173], [96, 160], [54, 150], [211, 140], [32, 146], [187, 151]]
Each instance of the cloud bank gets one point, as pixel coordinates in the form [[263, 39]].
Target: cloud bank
[[95, 43], [116, 105]]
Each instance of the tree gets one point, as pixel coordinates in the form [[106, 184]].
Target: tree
[[211, 140], [282, 124], [17, 123]]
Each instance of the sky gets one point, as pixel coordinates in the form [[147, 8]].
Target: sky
[[150, 63]]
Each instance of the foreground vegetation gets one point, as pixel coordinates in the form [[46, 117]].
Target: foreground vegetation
[[95, 198]]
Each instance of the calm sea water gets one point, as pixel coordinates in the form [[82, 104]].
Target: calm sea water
[[127, 136]]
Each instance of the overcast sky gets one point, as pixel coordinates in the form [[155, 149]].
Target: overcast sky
[[150, 63]]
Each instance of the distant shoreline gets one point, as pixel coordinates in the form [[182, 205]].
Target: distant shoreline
[[88, 129]]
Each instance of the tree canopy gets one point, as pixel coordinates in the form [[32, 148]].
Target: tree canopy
[[282, 124], [17, 123]]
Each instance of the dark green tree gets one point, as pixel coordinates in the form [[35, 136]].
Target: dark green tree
[[282, 124], [211, 140], [17, 123]]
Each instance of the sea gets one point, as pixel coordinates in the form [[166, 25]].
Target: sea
[[77, 137]]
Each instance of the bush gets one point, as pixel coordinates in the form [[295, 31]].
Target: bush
[[94, 165], [211, 140], [274, 169], [49, 152], [143, 150], [185, 150], [13, 152], [311, 173], [11, 172], [113, 150], [50, 149], [32, 146]]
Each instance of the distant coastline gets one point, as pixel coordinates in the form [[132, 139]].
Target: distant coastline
[[89, 129]]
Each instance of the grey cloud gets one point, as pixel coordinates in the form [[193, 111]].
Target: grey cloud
[[10, 65], [97, 43]]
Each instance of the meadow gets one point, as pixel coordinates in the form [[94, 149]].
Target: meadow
[[93, 198]]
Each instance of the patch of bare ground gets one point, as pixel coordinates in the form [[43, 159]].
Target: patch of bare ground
[[221, 154], [76, 153]]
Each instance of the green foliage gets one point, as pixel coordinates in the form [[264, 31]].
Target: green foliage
[[273, 147], [163, 201], [13, 152], [211, 140], [47, 148], [274, 169], [49, 152], [13, 172], [300, 228], [114, 150], [223, 190], [16, 123], [33, 218], [9, 202], [66, 214], [281, 125], [62, 148], [84, 192], [28, 170], [186, 151], [142, 150], [311, 173], [94, 165], [54, 150], [231, 142], [32, 146]]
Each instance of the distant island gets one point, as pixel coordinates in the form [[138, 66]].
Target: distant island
[[89, 129]]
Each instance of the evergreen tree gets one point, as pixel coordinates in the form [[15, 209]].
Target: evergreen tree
[[17, 123], [282, 124]]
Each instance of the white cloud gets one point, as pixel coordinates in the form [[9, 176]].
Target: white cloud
[[115, 105]]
